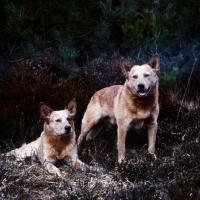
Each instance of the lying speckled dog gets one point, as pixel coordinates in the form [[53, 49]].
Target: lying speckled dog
[[57, 141]]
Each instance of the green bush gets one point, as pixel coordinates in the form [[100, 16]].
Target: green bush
[[73, 29]]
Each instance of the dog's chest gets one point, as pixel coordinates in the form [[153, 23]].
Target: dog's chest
[[60, 148], [142, 114], [138, 118], [62, 153]]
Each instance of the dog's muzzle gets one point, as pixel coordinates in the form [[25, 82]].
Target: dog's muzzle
[[68, 130], [141, 91]]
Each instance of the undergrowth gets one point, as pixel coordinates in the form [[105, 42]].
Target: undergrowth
[[174, 175]]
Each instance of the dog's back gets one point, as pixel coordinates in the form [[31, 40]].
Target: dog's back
[[102, 103]]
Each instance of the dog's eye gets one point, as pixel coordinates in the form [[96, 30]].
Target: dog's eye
[[69, 119], [146, 75], [58, 120], [135, 76]]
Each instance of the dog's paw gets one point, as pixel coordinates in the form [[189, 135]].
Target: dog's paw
[[51, 168], [19, 158], [121, 159], [58, 174], [153, 155], [95, 168], [55, 171], [152, 152]]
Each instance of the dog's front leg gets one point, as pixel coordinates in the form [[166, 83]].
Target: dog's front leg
[[76, 163], [51, 168], [80, 165], [121, 133], [152, 131]]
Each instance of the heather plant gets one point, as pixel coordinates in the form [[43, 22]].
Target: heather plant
[[174, 175], [23, 88], [28, 83]]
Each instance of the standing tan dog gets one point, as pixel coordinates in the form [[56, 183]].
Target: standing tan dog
[[132, 105], [57, 141]]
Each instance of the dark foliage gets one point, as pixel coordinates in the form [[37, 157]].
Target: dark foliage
[[76, 29], [25, 84]]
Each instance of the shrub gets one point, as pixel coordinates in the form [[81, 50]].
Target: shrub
[[28, 83], [174, 175]]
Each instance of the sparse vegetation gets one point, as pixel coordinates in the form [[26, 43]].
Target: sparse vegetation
[[174, 175]]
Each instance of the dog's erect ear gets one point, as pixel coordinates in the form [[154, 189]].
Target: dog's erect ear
[[45, 111], [155, 63], [72, 107], [126, 66]]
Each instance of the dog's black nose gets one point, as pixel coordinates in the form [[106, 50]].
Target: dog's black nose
[[67, 128], [141, 86]]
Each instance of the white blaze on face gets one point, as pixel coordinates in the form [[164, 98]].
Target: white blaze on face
[[141, 79], [59, 121]]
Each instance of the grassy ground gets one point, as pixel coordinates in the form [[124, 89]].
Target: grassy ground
[[175, 174]]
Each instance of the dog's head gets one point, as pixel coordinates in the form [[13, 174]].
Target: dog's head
[[141, 78], [60, 123]]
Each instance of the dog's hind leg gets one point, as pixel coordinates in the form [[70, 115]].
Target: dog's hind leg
[[91, 119], [88, 123], [27, 150], [94, 131], [84, 131]]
